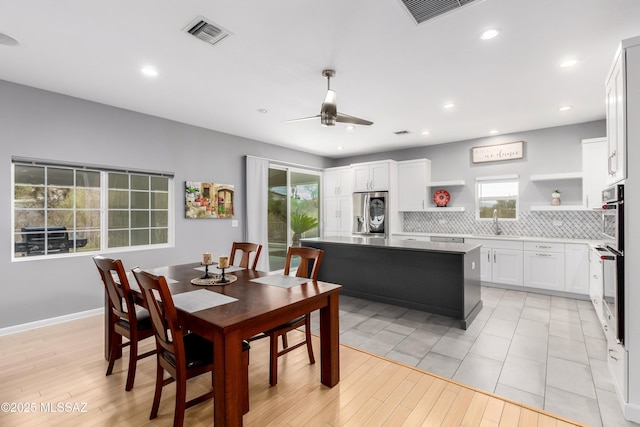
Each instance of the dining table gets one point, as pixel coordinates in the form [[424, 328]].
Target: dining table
[[254, 301]]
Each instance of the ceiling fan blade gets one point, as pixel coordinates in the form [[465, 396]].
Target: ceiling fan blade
[[303, 118], [345, 118]]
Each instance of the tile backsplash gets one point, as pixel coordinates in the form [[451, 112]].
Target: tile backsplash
[[556, 224]]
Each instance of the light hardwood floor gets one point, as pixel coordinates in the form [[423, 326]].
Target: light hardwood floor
[[64, 364]]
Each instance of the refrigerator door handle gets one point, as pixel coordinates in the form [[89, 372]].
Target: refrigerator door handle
[[366, 213]]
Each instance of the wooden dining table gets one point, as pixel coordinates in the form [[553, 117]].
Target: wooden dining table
[[258, 307]]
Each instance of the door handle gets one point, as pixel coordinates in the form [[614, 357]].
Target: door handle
[[494, 257]]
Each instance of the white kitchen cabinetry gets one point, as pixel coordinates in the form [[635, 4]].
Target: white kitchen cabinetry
[[500, 261], [413, 179], [544, 265], [337, 202], [576, 268], [337, 181], [595, 283], [373, 176], [616, 123], [594, 171]]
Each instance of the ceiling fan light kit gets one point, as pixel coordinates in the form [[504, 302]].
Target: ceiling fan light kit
[[329, 114]]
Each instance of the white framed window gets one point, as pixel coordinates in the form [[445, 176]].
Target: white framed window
[[66, 209], [499, 194]]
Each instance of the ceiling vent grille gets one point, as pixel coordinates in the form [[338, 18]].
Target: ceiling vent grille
[[206, 31], [402, 132], [423, 10]]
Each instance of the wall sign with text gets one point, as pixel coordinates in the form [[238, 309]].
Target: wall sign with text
[[496, 153]]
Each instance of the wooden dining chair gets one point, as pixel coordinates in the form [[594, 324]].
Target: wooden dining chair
[[181, 353], [126, 319], [310, 260], [247, 249]]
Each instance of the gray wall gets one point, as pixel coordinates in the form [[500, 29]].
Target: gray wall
[[551, 150], [45, 125]]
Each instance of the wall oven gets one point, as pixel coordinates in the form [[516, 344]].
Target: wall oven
[[613, 259]]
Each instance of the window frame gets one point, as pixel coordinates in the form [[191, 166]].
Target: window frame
[[497, 179], [103, 228]]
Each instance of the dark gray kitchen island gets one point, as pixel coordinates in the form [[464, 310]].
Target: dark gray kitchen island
[[440, 278]]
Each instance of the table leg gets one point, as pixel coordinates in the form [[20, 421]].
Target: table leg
[[228, 386], [330, 342]]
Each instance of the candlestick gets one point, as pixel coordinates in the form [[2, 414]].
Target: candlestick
[[223, 262], [207, 258]]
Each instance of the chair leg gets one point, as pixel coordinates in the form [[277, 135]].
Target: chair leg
[[307, 331], [113, 354], [273, 360], [181, 401], [245, 381], [158, 392], [133, 358], [285, 342]]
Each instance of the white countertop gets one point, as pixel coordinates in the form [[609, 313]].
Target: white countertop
[[446, 247], [501, 237]]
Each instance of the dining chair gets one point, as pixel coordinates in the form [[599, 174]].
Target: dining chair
[[126, 319], [183, 354], [310, 260], [247, 249]]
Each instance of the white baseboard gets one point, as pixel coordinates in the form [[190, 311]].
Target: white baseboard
[[48, 322]]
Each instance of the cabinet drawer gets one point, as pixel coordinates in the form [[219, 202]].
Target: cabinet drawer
[[543, 247]]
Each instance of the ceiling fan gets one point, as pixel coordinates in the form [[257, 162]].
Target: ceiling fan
[[329, 114]]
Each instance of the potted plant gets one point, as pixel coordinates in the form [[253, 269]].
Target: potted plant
[[555, 198], [299, 224]]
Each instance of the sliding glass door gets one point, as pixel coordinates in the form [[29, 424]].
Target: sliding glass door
[[293, 210]]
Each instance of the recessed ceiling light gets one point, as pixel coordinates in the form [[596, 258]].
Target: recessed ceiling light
[[149, 71], [340, 147], [565, 108], [426, 132], [262, 110], [350, 127], [568, 63], [493, 131], [489, 34], [449, 106], [7, 40]]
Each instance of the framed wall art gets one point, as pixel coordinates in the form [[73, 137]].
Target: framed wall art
[[208, 200], [499, 152]]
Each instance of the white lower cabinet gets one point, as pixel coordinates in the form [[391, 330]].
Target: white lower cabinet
[[544, 265], [576, 268], [500, 261], [595, 283]]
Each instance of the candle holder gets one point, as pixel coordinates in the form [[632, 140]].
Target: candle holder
[[223, 279], [206, 272]]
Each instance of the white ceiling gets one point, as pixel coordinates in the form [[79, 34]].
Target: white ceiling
[[388, 69]]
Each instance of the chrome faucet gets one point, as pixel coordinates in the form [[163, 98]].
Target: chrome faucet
[[496, 225]]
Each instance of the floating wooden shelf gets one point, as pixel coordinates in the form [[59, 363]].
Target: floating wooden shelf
[[446, 209], [452, 183]]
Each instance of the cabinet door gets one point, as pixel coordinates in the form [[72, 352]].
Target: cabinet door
[[413, 178], [379, 176], [330, 215], [615, 100], [361, 178], [486, 264], [576, 268], [345, 215], [544, 270], [507, 266], [331, 180], [594, 171]]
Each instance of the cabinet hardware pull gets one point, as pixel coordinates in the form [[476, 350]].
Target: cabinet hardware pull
[[494, 257], [543, 247], [488, 256], [611, 356], [543, 254]]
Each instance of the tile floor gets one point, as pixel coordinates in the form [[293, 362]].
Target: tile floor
[[548, 352]]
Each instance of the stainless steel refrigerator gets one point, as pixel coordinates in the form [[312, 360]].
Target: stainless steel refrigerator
[[371, 214]]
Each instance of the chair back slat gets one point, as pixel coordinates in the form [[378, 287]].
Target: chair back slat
[[118, 291], [163, 313], [247, 249], [307, 256]]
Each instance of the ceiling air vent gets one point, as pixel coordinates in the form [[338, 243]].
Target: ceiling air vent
[[402, 132], [206, 31], [423, 10]]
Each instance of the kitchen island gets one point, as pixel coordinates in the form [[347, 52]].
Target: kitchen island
[[440, 278]]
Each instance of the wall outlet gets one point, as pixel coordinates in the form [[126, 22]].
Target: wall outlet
[[557, 223], [234, 222]]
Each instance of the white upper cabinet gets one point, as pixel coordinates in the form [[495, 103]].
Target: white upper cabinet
[[374, 176], [594, 171], [337, 181], [413, 179], [616, 123]]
